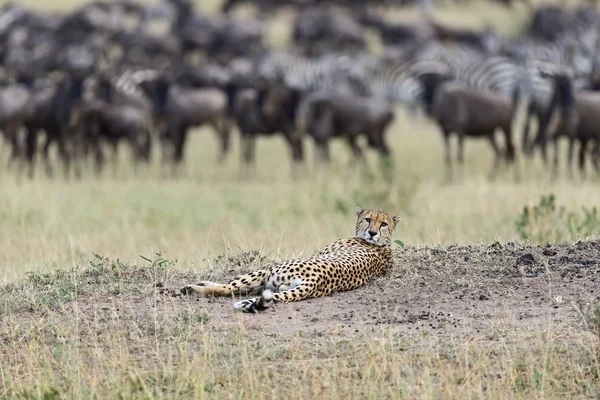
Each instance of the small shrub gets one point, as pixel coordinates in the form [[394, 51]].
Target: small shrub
[[545, 222]]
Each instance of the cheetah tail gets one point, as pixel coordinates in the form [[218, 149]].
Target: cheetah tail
[[256, 304]]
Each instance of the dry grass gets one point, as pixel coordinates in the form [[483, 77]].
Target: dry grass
[[62, 335], [208, 211]]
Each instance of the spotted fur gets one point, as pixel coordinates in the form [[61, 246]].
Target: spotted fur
[[345, 264]]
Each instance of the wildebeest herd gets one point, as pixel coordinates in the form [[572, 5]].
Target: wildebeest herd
[[105, 74]]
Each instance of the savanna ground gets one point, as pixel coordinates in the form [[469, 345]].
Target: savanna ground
[[90, 272]]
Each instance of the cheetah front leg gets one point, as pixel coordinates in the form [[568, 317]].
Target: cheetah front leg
[[251, 282], [266, 300]]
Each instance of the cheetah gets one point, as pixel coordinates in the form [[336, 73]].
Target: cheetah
[[343, 265]]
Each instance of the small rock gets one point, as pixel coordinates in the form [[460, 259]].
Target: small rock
[[526, 259], [483, 297]]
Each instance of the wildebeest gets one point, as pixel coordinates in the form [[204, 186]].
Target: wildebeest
[[467, 113], [179, 108], [267, 109], [575, 114], [15, 108], [57, 108], [103, 121], [326, 116]]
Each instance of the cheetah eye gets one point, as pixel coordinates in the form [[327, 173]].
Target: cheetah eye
[[368, 220], [383, 224]]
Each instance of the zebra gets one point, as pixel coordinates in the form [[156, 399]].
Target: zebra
[[498, 74], [455, 56], [395, 83], [307, 74], [128, 84]]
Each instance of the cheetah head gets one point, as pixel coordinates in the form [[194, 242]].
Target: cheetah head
[[375, 226]]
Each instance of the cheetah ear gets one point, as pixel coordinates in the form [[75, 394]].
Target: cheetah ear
[[358, 211], [396, 219]]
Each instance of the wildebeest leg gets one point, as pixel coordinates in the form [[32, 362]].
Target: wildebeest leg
[[596, 156], [321, 154], [554, 173], [12, 135], [224, 131], [179, 138], [30, 149], [64, 155], [511, 151], [323, 158], [145, 146], [526, 131], [252, 156], [355, 148], [77, 148], [247, 153], [114, 159], [140, 142], [548, 126], [99, 159], [582, 150], [382, 146], [45, 155], [498, 155], [297, 150], [166, 145], [460, 154], [448, 155]]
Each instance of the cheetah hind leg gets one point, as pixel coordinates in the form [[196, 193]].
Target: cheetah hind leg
[[297, 291], [248, 283], [255, 304], [265, 301]]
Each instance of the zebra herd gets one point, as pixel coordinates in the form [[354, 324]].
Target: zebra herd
[[469, 83]]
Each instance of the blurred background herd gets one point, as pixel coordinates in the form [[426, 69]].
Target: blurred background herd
[[77, 86]]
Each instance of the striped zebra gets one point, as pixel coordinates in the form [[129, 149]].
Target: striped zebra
[[306, 74], [395, 83], [454, 55], [501, 75], [127, 85], [498, 74]]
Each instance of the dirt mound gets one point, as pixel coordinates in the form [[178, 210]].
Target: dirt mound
[[478, 290]]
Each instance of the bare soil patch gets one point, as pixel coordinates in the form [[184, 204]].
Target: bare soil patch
[[478, 291]]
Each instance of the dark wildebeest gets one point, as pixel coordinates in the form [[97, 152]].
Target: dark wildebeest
[[265, 110], [57, 109], [179, 108], [318, 30], [575, 114], [458, 109], [326, 116], [104, 121], [15, 108]]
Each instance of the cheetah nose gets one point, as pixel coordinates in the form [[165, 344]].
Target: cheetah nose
[[372, 233]]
